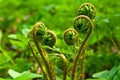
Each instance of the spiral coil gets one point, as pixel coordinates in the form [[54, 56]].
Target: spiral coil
[[81, 23], [49, 39], [87, 9], [71, 36]]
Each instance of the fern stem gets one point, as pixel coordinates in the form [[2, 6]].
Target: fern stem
[[65, 66], [81, 48], [49, 68], [38, 61]]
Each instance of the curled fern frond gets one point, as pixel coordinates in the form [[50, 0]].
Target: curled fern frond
[[49, 38], [40, 30], [71, 36], [81, 23], [87, 9]]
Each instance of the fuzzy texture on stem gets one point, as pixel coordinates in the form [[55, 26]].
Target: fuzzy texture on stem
[[30, 44], [81, 76], [38, 61], [81, 48], [65, 66], [48, 66]]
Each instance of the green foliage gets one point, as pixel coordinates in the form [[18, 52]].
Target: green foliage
[[13, 73], [113, 74], [22, 76], [18, 16]]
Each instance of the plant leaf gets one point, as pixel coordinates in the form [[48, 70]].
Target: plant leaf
[[27, 76], [117, 75], [97, 79], [112, 73], [102, 74], [13, 73]]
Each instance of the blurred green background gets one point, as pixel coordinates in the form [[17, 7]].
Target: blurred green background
[[18, 16]]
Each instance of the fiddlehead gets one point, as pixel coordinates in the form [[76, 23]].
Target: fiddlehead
[[71, 36], [82, 23], [32, 48], [49, 39], [87, 9], [40, 30], [41, 36]]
